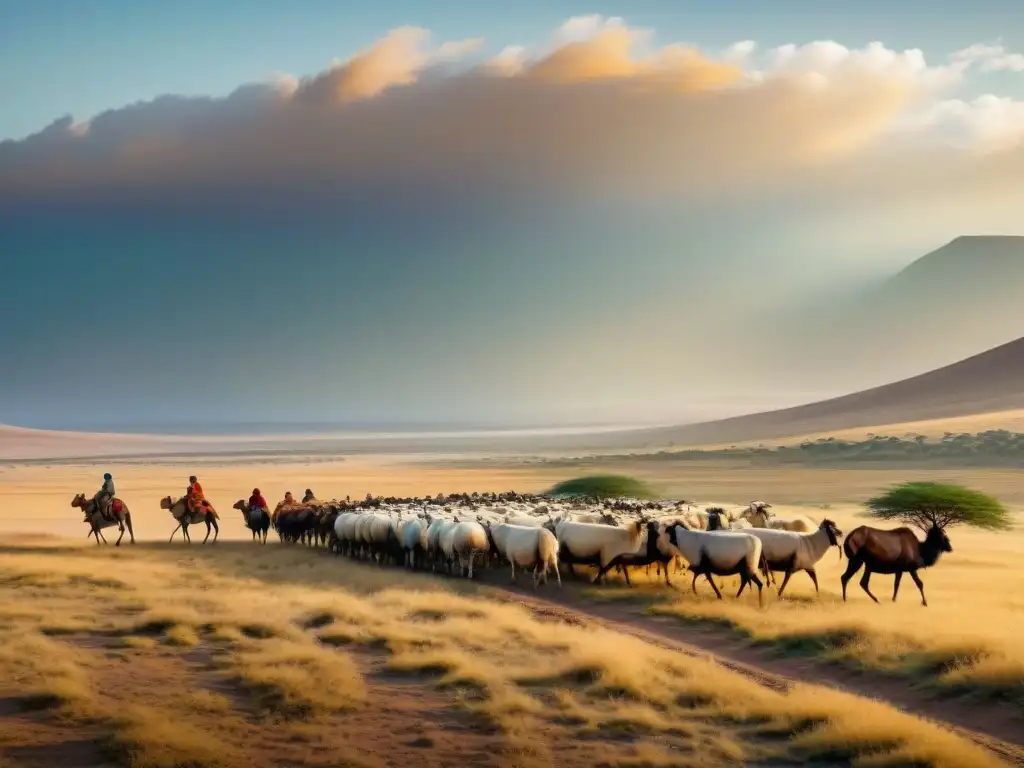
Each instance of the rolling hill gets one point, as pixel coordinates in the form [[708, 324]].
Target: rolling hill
[[987, 382], [941, 308]]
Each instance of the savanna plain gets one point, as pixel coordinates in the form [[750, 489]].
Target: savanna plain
[[235, 653]]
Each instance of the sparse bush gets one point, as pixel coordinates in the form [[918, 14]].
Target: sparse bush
[[604, 487]]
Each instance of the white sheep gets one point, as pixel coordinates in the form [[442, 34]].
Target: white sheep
[[524, 521], [695, 519], [490, 515], [591, 517], [434, 549], [796, 524], [760, 517], [344, 530], [790, 552], [596, 544], [468, 539], [398, 524], [527, 546], [378, 534], [719, 553], [446, 542], [656, 550], [361, 535], [411, 539]]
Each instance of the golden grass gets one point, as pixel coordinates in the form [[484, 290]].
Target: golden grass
[[934, 428], [300, 677], [968, 638], [300, 643], [37, 497]]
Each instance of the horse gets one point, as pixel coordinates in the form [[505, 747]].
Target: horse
[[179, 510], [256, 520], [97, 522]]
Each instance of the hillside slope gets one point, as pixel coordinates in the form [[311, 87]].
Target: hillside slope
[[971, 262], [990, 381], [943, 307]]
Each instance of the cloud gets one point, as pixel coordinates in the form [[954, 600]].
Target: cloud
[[830, 60], [395, 60], [579, 29], [990, 57], [740, 51], [601, 111], [987, 123]]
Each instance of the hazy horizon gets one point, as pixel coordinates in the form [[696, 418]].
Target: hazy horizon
[[588, 222]]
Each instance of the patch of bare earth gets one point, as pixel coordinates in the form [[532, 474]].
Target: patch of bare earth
[[33, 737]]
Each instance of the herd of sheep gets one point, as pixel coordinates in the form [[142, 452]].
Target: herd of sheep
[[462, 533]]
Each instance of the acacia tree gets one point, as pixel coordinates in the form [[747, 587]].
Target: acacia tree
[[926, 504]]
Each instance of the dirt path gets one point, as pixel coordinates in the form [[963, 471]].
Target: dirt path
[[998, 728]]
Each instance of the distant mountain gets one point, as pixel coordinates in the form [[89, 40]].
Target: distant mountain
[[970, 263], [991, 381], [965, 296]]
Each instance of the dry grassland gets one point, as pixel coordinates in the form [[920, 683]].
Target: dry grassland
[[162, 656], [243, 655], [966, 642]]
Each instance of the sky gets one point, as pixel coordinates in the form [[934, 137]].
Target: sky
[[67, 57], [545, 213]]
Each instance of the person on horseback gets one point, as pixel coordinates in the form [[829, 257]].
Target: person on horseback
[[104, 496], [194, 496]]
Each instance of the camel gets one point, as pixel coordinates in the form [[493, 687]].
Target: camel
[[179, 510], [97, 522], [257, 521], [294, 522]]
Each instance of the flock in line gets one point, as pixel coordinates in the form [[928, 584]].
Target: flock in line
[[459, 533]]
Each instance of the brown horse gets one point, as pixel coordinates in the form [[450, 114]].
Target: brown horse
[[179, 510], [97, 522], [256, 520], [897, 552]]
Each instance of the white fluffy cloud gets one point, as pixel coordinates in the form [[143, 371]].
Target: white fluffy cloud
[[601, 110], [987, 123], [990, 57]]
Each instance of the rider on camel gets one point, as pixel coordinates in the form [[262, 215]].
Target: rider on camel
[[289, 501], [104, 496], [256, 501], [308, 497], [194, 496]]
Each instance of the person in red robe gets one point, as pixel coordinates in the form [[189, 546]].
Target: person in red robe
[[256, 501], [194, 497]]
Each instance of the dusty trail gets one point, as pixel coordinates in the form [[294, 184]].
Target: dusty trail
[[997, 728]]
